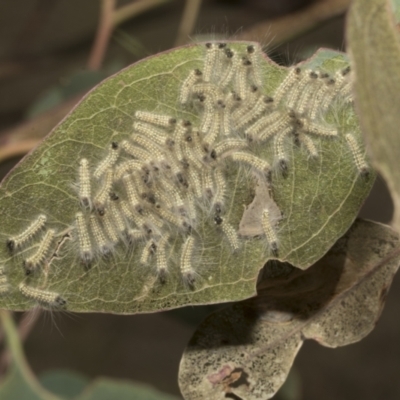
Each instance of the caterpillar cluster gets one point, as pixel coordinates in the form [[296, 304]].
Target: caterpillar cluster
[[38, 256], [42, 251], [152, 189]]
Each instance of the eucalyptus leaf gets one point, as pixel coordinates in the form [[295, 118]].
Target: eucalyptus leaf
[[211, 197], [64, 383], [19, 382], [374, 47], [105, 389], [246, 350]]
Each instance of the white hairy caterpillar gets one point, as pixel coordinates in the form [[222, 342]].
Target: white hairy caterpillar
[[164, 121], [262, 106], [269, 232], [231, 235], [229, 145], [291, 78], [251, 160], [324, 91], [85, 191], [108, 162], [161, 258], [38, 258], [185, 91], [253, 53], [308, 144], [299, 88], [279, 148], [149, 249], [43, 297], [4, 286], [156, 135], [24, 237], [358, 157], [242, 72], [103, 245], [127, 167], [149, 145], [264, 125], [132, 191], [85, 245], [233, 62], [102, 197], [220, 183], [315, 129], [134, 151], [207, 184], [210, 61], [187, 271]]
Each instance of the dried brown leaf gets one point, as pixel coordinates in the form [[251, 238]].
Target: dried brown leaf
[[247, 350]]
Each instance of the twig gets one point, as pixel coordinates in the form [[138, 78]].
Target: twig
[[124, 13], [24, 137], [188, 21], [25, 327], [17, 149], [103, 34], [283, 29]]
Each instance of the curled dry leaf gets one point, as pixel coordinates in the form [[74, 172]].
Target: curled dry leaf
[[175, 180], [246, 351]]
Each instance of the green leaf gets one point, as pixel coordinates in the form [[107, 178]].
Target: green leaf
[[247, 350], [375, 52], [19, 383], [308, 198], [64, 383], [106, 389], [396, 9]]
